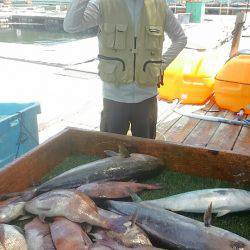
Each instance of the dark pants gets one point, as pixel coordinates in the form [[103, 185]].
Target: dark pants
[[117, 116]]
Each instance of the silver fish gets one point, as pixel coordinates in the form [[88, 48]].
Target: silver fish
[[133, 237], [116, 167], [110, 244], [178, 231], [224, 200], [11, 238]]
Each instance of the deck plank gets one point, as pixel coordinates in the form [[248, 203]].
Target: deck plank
[[202, 134], [166, 120], [183, 127], [225, 136], [242, 144]]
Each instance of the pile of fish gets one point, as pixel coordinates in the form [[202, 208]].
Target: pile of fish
[[82, 209]]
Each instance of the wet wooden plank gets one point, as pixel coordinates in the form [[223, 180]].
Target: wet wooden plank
[[242, 144], [204, 131], [182, 128], [226, 135], [166, 120], [28, 169]]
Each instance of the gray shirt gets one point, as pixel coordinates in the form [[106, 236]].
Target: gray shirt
[[83, 14]]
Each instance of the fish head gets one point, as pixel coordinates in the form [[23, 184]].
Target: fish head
[[4, 213], [49, 203], [11, 238]]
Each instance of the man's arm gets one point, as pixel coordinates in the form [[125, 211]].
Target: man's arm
[[82, 15], [177, 36]]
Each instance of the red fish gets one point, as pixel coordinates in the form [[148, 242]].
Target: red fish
[[69, 235], [73, 205], [114, 189], [38, 235]]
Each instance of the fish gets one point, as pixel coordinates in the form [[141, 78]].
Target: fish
[[11, 238], [38, 235], [133, 237], [207, 218], [69, 235], [73, 205], [114, 245], [177, 231], [114, 189], [11, 210], [117, 167], [225, 200]]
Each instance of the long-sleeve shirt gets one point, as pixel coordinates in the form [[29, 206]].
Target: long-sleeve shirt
[[84, 14]]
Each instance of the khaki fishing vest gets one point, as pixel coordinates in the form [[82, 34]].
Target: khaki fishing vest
[[123, 57]]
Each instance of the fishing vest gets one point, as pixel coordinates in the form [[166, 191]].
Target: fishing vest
[[124, 58]]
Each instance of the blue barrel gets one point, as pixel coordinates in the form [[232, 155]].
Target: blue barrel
[[18, 130]]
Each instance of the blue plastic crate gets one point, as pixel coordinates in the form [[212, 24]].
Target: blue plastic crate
[[18, 130]]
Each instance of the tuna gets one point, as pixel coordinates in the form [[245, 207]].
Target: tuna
[[224, 200], [73, 205], [38, 235], [11, 238], [114, 189], [69, 235], [177, 231]]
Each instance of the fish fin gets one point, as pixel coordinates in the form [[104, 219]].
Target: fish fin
[[117, 224], [19, 229], [42, 218], [222, 213], [208, 216], [135, 197], [26, 217], [153, 186], [110, 153], [123, 151], [134, 217]]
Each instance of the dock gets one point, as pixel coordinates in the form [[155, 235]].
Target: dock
[[215, 136], [63, 79]]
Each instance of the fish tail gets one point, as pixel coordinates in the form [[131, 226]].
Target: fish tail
[[153, 186], [28, 195], [117, 224], [23, 195]]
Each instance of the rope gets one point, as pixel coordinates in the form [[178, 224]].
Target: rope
[[22, 134]]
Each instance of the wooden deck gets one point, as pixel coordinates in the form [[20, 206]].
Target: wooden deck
[[217, 136]]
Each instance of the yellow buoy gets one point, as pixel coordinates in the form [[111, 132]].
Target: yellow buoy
[[190, 78], [232, 84]]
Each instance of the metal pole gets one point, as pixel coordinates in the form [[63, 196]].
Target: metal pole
[[240, 20]]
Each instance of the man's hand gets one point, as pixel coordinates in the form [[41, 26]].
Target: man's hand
[[161, 83]]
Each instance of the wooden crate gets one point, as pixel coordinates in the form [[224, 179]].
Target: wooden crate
[[30, 168]]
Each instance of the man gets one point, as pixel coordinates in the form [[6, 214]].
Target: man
[[131, 66]]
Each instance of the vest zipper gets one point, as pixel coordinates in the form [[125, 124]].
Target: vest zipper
[[134, 57], [114, 59], [147, 62]]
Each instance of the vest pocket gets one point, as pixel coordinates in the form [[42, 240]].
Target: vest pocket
[[154, 37], [110, 69], [151, 73], [120, 36], [108, 30], [114, 35]]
